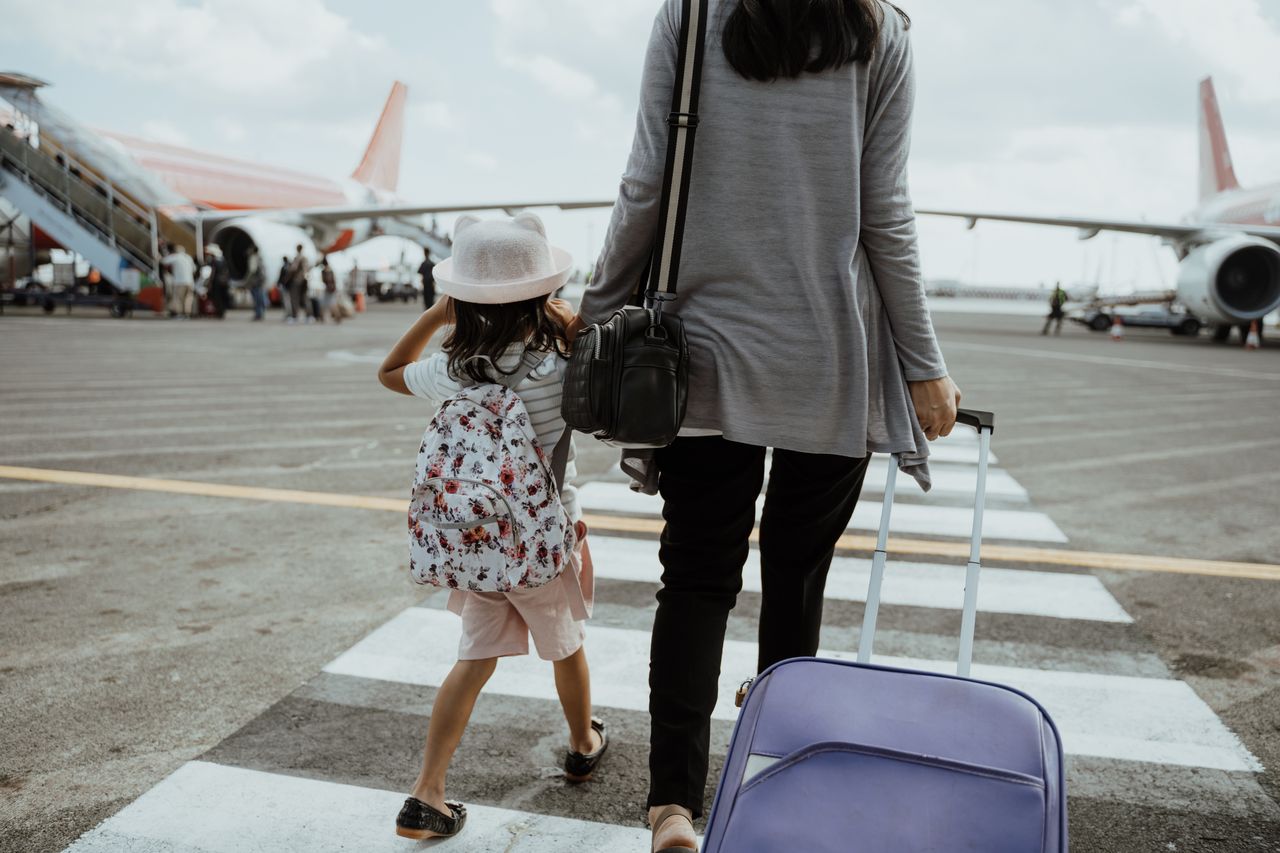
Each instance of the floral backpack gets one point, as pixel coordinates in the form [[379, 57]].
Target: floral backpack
[[485, 514]]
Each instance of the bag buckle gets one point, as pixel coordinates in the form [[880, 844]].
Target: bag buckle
[[654, 300], [678, 119]]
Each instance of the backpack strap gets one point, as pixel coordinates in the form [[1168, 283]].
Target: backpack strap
[[528, 364], [560, 457]]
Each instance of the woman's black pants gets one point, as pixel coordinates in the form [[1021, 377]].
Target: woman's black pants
[[709, 488]]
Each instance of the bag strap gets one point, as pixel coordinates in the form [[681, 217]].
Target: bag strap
[[528, 364], [683, 125]]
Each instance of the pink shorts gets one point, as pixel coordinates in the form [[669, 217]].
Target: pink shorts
[[499, 624]]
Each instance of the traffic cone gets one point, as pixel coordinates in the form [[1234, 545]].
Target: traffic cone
[[1253, 340], [1117, 329]]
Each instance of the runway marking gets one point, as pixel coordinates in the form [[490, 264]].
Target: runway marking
[[208, 490], [1160, 721], [949, 478], [1103, 560], [203, 806], [192, 450], [1053, 594], [652, 526], [1112, 361], [219, 428], [1026, 525]]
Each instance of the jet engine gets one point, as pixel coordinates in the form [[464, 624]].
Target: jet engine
[[1232, 280], [274, 240]]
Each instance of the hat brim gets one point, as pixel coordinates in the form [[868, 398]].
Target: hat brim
[[499, 293]]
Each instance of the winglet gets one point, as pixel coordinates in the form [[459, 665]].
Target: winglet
[[380, 167], [1217, 173]]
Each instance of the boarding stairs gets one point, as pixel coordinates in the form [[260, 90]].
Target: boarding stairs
[[85, 212]]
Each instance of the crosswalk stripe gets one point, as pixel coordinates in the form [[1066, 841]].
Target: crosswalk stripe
[[1054, 594], [1154, 720], [948, 478], [1022, 525], [213, 808]]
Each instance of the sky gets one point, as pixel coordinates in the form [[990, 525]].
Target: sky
[[1039, 106]]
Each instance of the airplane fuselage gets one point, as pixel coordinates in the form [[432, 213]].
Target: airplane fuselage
[[215, 182], [1256, 206]]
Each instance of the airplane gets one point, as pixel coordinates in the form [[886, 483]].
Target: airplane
[[238, 204], [1228, 247]]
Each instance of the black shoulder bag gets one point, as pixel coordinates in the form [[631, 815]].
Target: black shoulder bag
[[627, 381]]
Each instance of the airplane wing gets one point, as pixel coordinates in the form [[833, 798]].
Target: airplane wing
[[343, 214], [1184, 232]]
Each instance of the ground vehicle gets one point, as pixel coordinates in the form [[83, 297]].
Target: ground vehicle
[[1177, 320]]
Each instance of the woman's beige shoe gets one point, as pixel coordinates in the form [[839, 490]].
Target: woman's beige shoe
[[665, 815]]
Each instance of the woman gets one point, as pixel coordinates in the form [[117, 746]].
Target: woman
[[801, 293]]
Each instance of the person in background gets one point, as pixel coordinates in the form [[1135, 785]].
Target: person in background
[[219, 280], [1056, 314], [426, 270], [330, 298], [299, 267], [182, 281], [315, 292], [257, 283], [282, 286]]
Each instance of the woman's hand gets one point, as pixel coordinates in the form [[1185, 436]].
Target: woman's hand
[[935, 402]]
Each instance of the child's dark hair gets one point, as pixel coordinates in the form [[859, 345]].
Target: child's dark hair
[[487, 330]]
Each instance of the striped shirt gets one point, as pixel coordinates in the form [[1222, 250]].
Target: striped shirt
[[540, 392]]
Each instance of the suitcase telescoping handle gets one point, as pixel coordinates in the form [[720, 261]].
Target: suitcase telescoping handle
[[985, 424]]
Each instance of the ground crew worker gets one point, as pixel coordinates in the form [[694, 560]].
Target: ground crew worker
[[1056, 314]]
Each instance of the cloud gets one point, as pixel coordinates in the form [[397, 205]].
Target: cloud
[[435, 115], [238, 49], [1235, 35], [481, 161], [163, 130]]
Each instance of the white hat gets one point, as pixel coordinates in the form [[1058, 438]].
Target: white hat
[[502, 260]]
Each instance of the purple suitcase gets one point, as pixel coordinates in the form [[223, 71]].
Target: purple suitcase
[[839, 756]]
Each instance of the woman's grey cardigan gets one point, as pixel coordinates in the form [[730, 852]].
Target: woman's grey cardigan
[[800, 282]]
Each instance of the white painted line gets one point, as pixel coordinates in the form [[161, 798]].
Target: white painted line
[[1160, 721], [949, 479], [1053, 594], [212, 808], [929, 520], [1113, 361], [351, 443]]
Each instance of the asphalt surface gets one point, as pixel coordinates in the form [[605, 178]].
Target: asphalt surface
[[140, 631]]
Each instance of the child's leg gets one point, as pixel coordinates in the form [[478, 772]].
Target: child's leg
[[453, 706], [573, 684]]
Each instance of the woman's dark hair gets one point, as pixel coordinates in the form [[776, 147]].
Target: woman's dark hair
[[487, 330], [768, 39]]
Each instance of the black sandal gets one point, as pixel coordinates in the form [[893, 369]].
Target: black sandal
[[578, 767], [420, 821]]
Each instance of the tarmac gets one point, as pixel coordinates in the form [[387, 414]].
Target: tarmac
[[208, 640]]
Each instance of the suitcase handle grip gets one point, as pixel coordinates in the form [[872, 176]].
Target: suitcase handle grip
[[977, 419]]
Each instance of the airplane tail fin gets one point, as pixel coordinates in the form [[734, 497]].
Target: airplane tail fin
[[380, 166], [1217, 173]]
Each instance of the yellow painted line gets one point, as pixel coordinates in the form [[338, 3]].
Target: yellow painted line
[[652, 526], [207, 490], [854, 543]]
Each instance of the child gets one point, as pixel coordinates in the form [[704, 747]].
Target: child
[[497, 287]]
